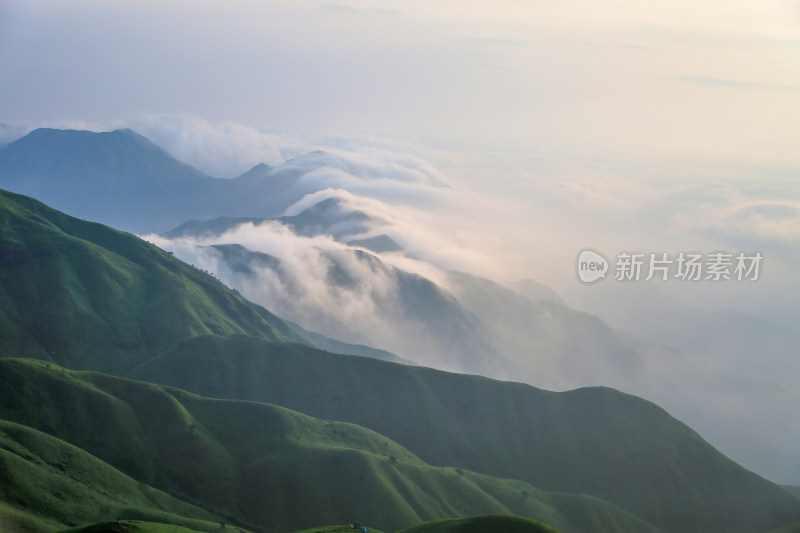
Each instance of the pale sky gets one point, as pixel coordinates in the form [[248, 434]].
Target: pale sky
[[715, 79]]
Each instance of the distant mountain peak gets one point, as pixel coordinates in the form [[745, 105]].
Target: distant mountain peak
[[132, 134], [261, 166], [258, 171], [117, 177]]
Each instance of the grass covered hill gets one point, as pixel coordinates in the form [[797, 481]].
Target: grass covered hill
[[595, 441], [86, 296], [47, 484], [74, 442]]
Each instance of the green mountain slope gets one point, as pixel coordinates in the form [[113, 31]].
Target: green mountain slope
[[46, 483], [86, 296], [261, 466], [332, 345], [483, 524], [89, 297], [595, 441]]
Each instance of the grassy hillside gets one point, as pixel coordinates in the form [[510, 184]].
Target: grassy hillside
[[46, 483], [260, 466], [483, 524], [793, 490], [86, 296], [595, 441], [332, 345]]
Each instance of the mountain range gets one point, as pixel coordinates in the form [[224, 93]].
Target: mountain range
[[702, 368], [428, 444], [136, 186], [328, 217], [409, 443], [128, 299]]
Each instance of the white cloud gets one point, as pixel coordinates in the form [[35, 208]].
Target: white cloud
[[223, 150], [318, 283]]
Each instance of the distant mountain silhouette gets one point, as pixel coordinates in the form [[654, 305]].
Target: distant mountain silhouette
[[117, 177], [122, 179]]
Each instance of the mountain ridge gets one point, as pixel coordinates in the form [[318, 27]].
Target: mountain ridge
[[264, 467], [116, 168], [594, 441], [130, 298], [493, 427]]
